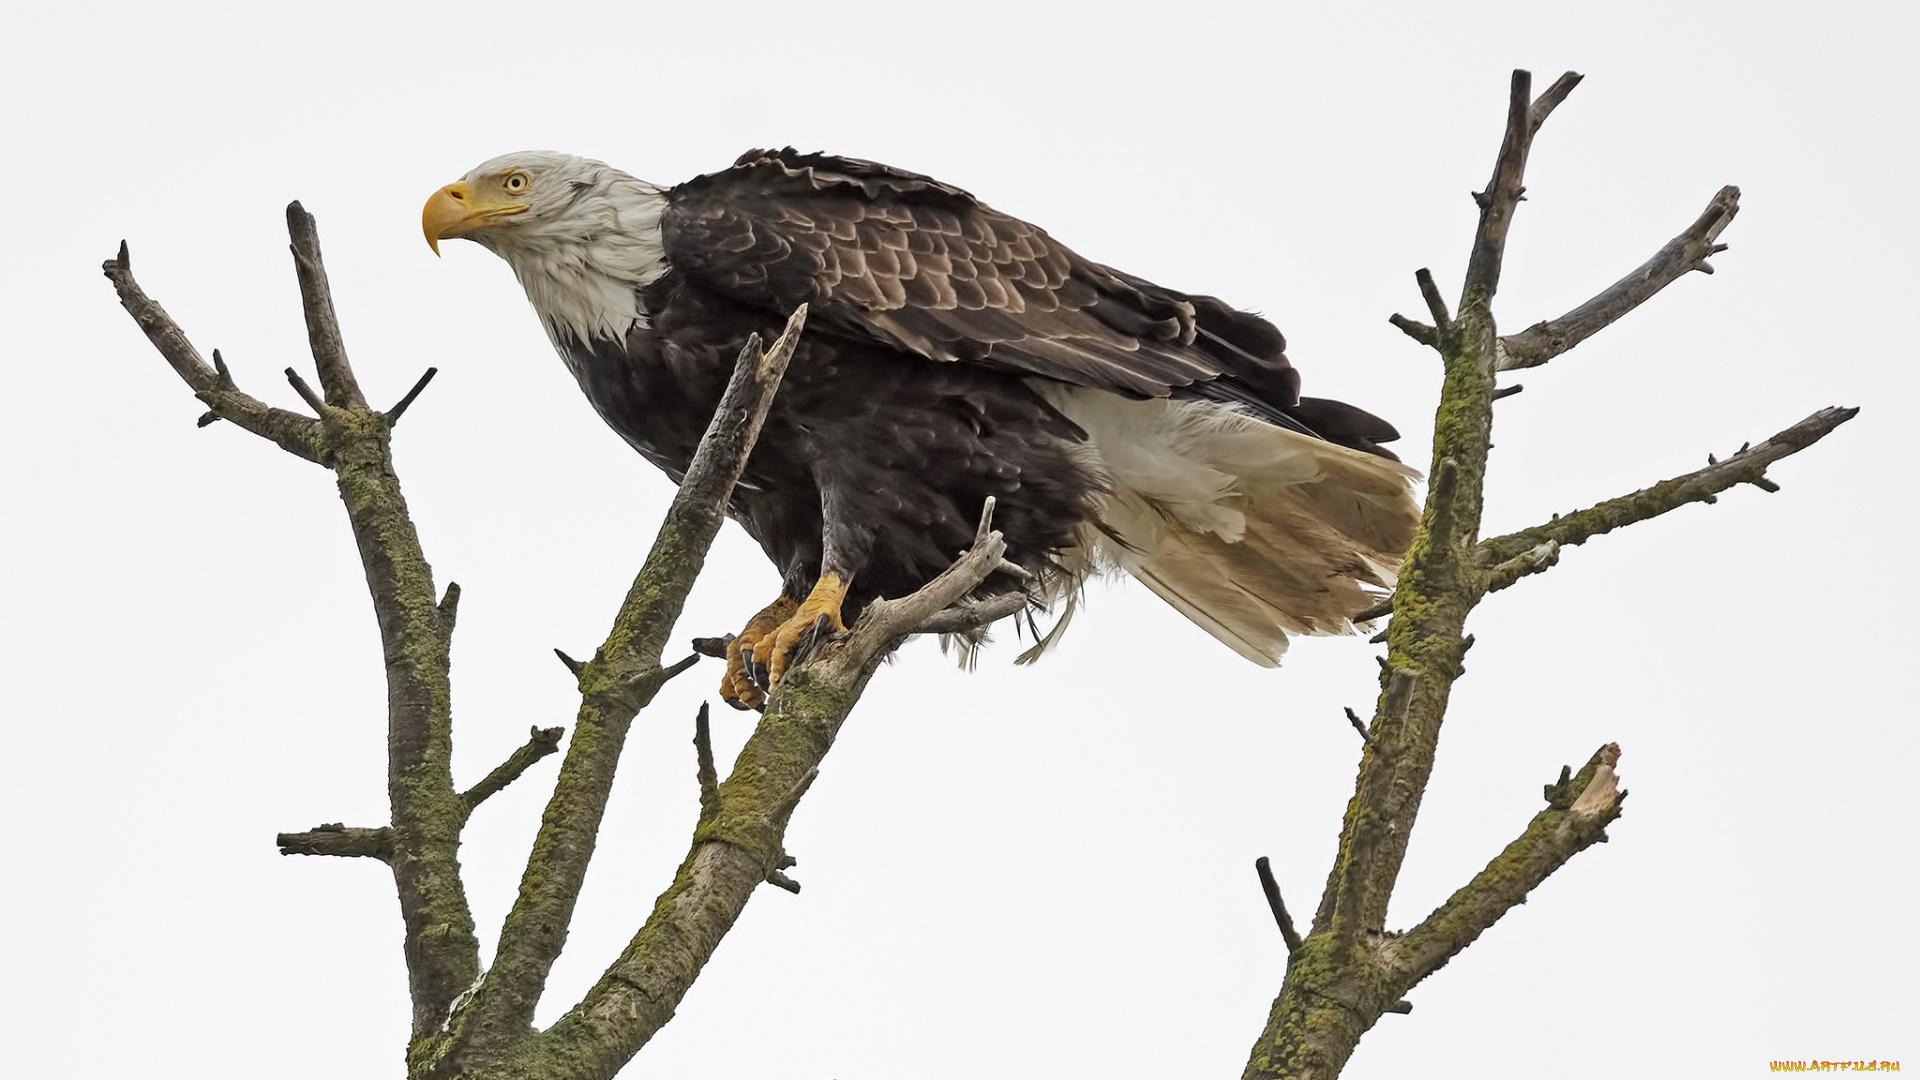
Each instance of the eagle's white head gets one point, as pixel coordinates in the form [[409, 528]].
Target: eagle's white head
[[581, 236]]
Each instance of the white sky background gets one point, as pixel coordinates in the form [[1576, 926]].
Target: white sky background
[[1037, 872]]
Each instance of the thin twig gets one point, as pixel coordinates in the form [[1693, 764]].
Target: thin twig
[[323, 326], [393, 414], [1436, 306], [1271, 887], [540, 742], [1360, 726], [715, 647], [449, 609], [886, 623], [704, 772], [966, 615], [1418, 331], [306, 393], [1377, 610]]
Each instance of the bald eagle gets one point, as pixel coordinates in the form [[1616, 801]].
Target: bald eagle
[[952, 353]]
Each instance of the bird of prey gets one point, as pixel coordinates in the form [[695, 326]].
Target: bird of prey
[[951, 353]]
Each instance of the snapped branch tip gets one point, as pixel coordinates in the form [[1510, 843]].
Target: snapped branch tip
[[393, 414], [1270, 887], [306, 393]]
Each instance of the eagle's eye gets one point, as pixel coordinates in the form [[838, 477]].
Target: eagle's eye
[[516, 182]]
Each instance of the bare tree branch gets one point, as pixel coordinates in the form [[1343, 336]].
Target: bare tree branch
[[313, 400], [297, 435], [1436, 307], [1271, 888], [1687, 252], [1348, 971], [1534, 560], [886, 623], [620, 680], [1502, 194], [704, 772], [441, 949], [1418, 331], [400, 407], [741, 847], [1749, 466], [1555, 835], [965, 615], [1544, 105], [540, 742], [339, 839], [1359, 725], [316, 299]]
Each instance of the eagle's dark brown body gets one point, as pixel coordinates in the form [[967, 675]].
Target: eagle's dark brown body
[[951, 353], [908, 458]]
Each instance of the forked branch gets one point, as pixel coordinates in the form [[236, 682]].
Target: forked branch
[[422, 843], [1349, 971], [739, 843], [297, 435], [615, 685], [1682, 255]]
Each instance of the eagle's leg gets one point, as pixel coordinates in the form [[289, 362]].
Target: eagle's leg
[[846, 544], [737, 688]]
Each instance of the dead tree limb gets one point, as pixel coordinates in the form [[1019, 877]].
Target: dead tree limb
[[615, 685], [340, 840], [1682, 255], [540, 742], [1349, 971], [740, 845], [1748, 466], [474, 1024], [443, 955]]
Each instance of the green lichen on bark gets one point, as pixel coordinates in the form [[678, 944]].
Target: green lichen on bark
[[428, 815], [1341, 978]]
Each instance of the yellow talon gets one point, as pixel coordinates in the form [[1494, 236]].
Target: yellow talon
[[825, 599], [737, 684]]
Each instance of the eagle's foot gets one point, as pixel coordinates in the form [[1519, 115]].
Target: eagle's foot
[[816, 617], [738, 687]]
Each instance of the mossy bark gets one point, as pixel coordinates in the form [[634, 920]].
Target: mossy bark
[[1350, 970]]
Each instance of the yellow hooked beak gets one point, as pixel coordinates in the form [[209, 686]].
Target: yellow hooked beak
[[460, 208]]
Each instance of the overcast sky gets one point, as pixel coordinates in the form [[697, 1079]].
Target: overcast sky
[[1030, 872]]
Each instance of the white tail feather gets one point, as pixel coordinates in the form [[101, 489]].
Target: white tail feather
[[1251, 531]]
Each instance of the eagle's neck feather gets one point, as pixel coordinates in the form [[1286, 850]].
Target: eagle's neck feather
[[583, 265]]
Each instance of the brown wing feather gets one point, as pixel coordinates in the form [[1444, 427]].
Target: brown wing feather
[[926, 267]]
